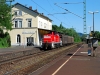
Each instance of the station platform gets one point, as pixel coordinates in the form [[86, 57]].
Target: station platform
[[76, 62], [17, 49]]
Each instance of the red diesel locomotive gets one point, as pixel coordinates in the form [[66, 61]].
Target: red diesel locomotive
[[55, 40]]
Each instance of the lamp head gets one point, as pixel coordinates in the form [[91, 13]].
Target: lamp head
[[93, 12]]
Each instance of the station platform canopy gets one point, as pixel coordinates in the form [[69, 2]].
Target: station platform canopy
[[44, 31]]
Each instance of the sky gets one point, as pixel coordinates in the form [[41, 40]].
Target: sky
[[54, 9]]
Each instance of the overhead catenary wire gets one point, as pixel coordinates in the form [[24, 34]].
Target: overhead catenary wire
[[69, 11], [39, 6], [57, 11], [49, 13], [84, 16], [50, 4], [60, 20], [71, 3], [74, 3]]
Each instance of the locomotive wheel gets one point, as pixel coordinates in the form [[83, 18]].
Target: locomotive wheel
[[58, 45], [41, 49], [50, 48]]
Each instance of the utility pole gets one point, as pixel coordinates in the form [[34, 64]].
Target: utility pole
[[84, 19]]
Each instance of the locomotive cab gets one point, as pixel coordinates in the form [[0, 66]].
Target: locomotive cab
[[50, 40]]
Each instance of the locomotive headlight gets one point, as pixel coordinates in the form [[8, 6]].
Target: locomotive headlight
[[60, 42], [40, 43], [52, 44]]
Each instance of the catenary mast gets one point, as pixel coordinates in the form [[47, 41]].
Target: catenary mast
[[84, 17]]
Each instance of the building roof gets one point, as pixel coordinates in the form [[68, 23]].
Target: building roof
[[35, 11]]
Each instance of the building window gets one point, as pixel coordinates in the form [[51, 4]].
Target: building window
[[29, 23], [18, 38], [18, 13], [30, 39], [41, 24], [45, 25], [18, 23]]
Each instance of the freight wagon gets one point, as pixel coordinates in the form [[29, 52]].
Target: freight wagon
[[66, 40]]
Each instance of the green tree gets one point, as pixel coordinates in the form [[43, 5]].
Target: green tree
[[1, 33], [97, 34], [59, 28], [62, 29], [83, 37], [54, 27], [5, 15], [70, 32]]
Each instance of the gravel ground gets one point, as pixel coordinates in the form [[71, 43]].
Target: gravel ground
[[22, 67]]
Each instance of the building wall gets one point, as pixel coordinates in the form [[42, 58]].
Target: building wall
[[25, 15], [44, 23], [26, 31]]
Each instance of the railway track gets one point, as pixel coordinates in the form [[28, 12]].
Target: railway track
[[27, 64], [17, 54]]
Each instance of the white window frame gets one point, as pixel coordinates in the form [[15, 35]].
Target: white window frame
[[19, 39], [18, 26], [45, 25], [29, 19], [19, 23], [18, 13]]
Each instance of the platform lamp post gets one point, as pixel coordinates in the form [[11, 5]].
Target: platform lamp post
[[93, 19], [94, 41]]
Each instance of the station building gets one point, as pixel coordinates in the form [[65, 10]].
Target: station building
[[28, 25]]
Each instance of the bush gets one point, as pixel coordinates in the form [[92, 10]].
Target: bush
[[7, 36], [5, 40]]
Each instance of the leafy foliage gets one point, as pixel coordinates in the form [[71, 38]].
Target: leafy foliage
[[70, 32], [5, 22], [5, 15], [97, 34], [5, 40]]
